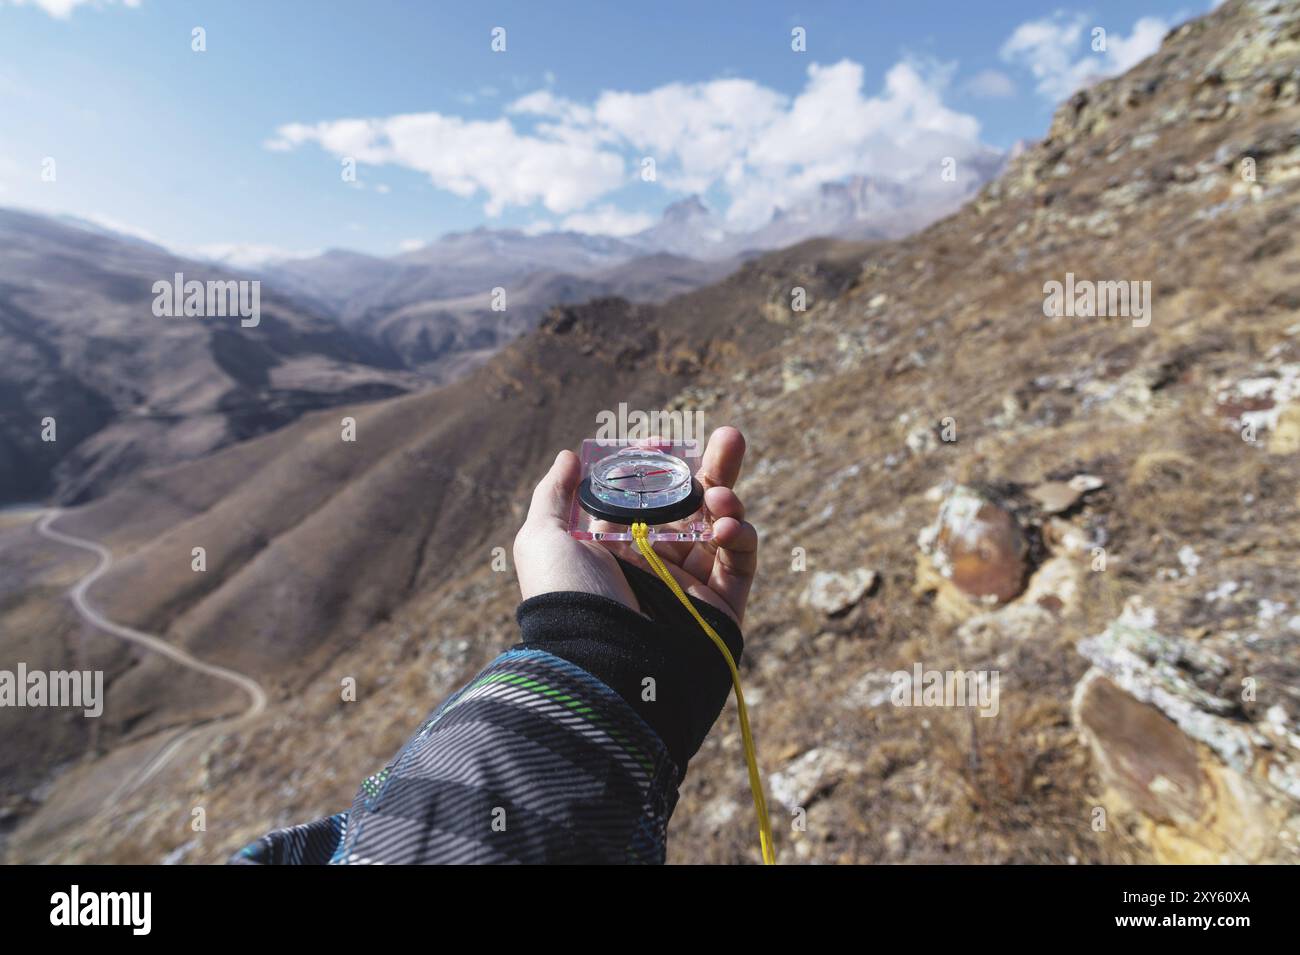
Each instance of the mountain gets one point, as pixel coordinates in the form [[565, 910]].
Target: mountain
[[334, 279], [860, 207], [444, 337], [433, 305], [80, 344], [863, 207], [312, 541], [359, 287], [1098, 510], [687, 228]]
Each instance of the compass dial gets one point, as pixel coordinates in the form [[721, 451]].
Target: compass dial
[[639, 484]]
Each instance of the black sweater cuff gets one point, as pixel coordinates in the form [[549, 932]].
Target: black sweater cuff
[[624, 649]]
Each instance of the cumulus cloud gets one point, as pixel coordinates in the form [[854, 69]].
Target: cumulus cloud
[[62, 9], [697, 133], [466, 157], [1058, 51], [832, 130], [754, 147]]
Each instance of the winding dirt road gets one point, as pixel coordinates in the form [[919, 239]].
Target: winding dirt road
[[257, 696]]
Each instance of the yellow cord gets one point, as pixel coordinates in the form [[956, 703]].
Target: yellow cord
[[639, 532]]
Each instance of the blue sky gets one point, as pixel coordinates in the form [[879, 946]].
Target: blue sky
[[240, 148]]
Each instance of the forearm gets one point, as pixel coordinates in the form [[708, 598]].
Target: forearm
[[568, 748]]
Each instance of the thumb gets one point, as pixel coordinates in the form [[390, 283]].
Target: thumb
[[553, 496]]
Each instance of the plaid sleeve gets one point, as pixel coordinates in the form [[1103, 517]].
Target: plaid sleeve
[[534, 761], [554, 753]]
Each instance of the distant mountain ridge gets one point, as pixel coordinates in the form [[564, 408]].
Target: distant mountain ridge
[[857, 207], [438, 294], [124, 389]]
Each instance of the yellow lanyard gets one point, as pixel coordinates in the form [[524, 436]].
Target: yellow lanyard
[[639, 532]]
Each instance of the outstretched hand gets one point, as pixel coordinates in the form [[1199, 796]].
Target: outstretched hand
[[718, 571]]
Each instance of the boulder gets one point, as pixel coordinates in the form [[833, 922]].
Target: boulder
[[978, 546], [834, 593], [1163, 718]]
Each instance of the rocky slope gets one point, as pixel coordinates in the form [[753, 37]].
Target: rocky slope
[[79, 343], [1100, 511]]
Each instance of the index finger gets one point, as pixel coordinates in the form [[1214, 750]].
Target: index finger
[[723, 457]]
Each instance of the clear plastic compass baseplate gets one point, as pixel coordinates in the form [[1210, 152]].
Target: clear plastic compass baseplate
[[636, 479]]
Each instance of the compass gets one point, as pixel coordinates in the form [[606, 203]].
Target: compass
[[640, 484]]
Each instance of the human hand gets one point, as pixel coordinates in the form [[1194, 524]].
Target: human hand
[[718, 571]]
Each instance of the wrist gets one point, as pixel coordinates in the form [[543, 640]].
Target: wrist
[[665, 668]]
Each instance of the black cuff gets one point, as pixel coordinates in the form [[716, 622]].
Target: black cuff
[[622, 648]]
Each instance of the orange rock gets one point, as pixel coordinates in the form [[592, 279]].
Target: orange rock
[[979, 546]]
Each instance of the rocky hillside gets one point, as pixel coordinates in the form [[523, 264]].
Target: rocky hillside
[[314, 542], [1102, 511], [443, 337]]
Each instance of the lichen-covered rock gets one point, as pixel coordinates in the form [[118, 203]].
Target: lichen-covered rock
[[1055, 585], [1165, 721], [1139, 750], [921, 439], [988, 635], [1189, 807], [1176, 676], [978, 545]]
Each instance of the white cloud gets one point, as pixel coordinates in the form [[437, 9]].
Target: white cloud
[[753, 145], [245, 255], [547, 104], [411, 245], [991, 84], [832, 130], [468, 157], [1058, 51], [62, 9], [698, 131], [608, 220]]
